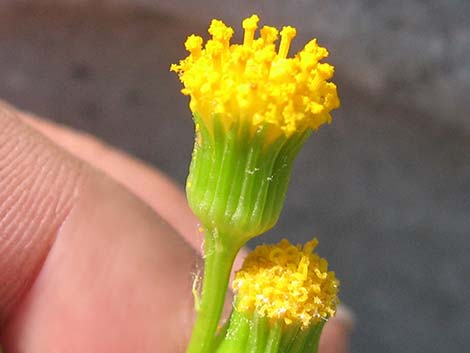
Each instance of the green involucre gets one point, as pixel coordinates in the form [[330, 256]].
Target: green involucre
[[251, 333], [238, 179]]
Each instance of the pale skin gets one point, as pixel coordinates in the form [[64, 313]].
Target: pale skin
[[97, 249]]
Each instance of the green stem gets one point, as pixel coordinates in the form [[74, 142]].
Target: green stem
[[218, 260]]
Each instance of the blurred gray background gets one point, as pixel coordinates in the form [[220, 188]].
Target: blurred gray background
[[386, 187]]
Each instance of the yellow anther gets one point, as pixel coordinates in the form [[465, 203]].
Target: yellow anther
[[250, 25], [310, 246], [269, 34], [194, 45], [287, 34], [220, 32]]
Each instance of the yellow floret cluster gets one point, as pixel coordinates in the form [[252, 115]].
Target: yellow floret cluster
[[256, 82], [287, 282]]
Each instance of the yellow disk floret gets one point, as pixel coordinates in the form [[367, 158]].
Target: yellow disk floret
[[287, 282], [255, 82]]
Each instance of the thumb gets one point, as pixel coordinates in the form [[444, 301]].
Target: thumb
[[38, 188], [84, 263]]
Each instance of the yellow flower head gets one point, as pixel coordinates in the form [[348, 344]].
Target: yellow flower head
[[287, 282], [257, 82]]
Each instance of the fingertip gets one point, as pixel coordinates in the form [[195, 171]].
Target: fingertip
[[337, 332], [38, 186], [346, 317]]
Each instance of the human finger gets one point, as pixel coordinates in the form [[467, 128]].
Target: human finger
[[336, 334], [84, 262], [148, 183]]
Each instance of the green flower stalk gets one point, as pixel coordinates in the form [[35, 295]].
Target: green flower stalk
[[284, 295], [253, 109]]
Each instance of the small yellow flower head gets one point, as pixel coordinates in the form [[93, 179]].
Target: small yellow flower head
[[287, 282], [256, 83]]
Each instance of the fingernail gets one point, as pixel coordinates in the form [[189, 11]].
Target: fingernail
[[346, 316]]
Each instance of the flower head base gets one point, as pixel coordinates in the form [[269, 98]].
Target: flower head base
[[255, 83], [286, 282]]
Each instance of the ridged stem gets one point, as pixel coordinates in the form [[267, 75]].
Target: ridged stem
[[250, 333], [259, 335], [237, 334], [306, 340], [239, 176]]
